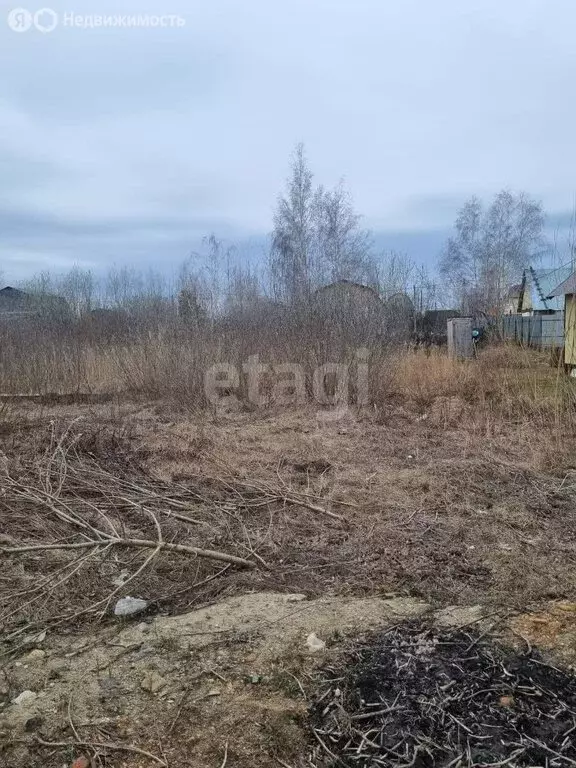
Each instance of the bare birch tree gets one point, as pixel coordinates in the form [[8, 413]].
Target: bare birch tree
[[294, 236], [317, 237], [490, 248], [344, 248]]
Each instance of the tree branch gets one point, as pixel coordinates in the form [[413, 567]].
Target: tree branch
[[138, 543]]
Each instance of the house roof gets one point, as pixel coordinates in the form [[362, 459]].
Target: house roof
[[514, 291], [14, 300], [343, 284], [347, 290], [8, 291], [542, 283], [568, 286]]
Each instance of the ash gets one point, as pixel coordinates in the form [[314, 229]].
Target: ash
[[416, 696]]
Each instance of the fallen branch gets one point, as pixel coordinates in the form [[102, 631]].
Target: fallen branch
[[276, 495], [210, 554], [103, 745], [312, 507]]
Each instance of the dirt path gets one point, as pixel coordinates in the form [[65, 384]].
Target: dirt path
[[183, 687]]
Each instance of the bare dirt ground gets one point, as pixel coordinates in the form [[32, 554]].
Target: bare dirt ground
[[350, 520]]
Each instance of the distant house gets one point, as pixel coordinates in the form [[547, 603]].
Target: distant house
[[16, 305], [538, 318], [566, 293], [345, 297], [357, 312], [350, 309], [349, 293], [432, 325], [14, 301], [536, 288], [512, 299]]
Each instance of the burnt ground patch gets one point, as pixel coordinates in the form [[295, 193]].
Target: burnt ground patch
[[418, 696]]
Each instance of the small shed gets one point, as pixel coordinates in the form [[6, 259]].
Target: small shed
[[566, 292], [14, 302], [460, 340]]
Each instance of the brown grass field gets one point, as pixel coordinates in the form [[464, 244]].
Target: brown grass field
[[455, 487]]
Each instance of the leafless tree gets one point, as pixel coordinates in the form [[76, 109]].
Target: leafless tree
[[395, 274], [294, 235], [217, 265], [243, 290], [121, 286], [317, 237], [193, 294], [41, 284], [490, 248], [426, 292], [78, 287], [344, 247]]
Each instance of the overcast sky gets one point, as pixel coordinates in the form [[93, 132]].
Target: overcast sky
[[127, 145]]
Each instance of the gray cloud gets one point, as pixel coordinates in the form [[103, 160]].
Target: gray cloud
[[17, 223], [37, 241], [121, 143]]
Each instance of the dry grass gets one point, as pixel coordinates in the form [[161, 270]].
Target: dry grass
[[455, 477], [504, 382], [457, 484], [152, 364], [497, 374]]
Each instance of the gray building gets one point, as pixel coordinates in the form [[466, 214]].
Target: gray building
[[17, 305]]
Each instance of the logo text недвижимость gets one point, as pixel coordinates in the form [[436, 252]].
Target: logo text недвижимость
[[47, 20]]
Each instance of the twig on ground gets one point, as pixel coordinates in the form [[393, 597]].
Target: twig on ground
[[103, 745], [282, 763], [140, 543]]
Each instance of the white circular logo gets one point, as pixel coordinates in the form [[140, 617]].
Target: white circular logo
[[45, 20], [19, 20]]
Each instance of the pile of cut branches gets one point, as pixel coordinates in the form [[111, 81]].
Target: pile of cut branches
[[77, 534], [418, 696]]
